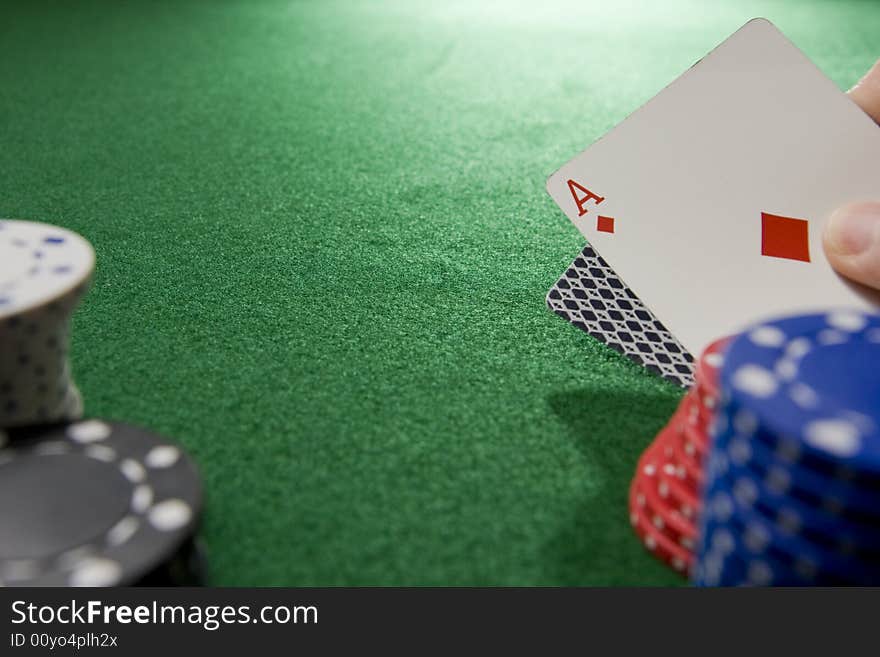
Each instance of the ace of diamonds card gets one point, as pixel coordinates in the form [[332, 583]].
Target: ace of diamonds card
[[707, 203]]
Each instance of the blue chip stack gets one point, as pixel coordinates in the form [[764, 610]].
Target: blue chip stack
[[792, 493]]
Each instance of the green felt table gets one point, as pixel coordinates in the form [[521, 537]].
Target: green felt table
[[323, 248]]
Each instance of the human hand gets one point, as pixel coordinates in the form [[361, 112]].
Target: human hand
[[852, 234]]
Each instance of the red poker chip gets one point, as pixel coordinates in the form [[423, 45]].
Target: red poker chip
[[669, 485], [708, 367], [696, 442], [674, 460], [657, 543], [664, 494], [686, 458], [687, 447], [662, 512], [662, 524], [664, 498], [691, 410], [687, 468], [708, 403], [695, 428], [704, 404]]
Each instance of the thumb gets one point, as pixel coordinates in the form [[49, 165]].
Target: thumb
[[866, 93], [852, 242], [852, 234]]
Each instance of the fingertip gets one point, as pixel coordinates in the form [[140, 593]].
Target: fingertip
[[851, 239]]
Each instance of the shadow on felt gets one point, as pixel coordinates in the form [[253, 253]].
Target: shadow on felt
[[611, 428]]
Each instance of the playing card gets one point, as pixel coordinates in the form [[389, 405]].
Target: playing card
[[709, 200], [591, 296]]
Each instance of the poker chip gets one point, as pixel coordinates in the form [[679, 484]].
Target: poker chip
[[793, 472], [687, 467], [728, 559], [684, 499], [44, 271], [824, 527], [664, 494], [96, 503], [802, 560], [82, 503], [39, 264], [661, 508], [782, 478], [813, 380], [708, 369], [655, 540], [695, 445], [696, 421], [188, 566]]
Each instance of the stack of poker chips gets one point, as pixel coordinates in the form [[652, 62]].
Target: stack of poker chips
[[44, 272], [664, 498], [792, 493], [83, 502]]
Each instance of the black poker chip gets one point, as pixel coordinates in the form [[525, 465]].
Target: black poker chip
[[97, 503], [187, 567]]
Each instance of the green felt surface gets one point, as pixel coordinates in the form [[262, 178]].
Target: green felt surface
[[324, 244]]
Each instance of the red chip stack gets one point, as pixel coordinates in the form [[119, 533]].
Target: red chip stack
[[665, 491]]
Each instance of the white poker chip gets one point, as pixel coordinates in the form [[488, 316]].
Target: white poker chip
[[44, 270], [40, 263]]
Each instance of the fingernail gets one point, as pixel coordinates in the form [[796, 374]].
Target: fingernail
[[854, 229]]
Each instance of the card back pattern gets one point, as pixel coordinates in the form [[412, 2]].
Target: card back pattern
[[593, 298]]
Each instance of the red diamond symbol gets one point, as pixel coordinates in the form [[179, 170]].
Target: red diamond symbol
[[785, 237], [605, 224]]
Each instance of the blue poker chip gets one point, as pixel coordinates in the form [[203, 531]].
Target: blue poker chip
[[812, 381], [825, 527], [766, 539], [728, 562], [787, 450], [783, 479], [718, 566]]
